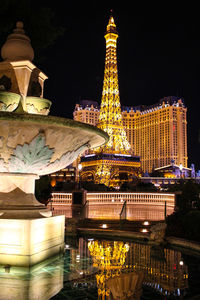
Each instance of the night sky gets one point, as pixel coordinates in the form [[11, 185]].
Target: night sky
[[158, 56]]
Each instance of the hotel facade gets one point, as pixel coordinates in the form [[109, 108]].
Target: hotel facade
[[156, 133]]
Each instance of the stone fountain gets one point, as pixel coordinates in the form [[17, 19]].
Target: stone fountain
[[31, 144]]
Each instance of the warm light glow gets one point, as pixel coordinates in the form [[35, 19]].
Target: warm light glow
[[164, 125], [104, 226], [80, 167], [103, 174], [24, 242], [110, 116], [10, 236], [108, 257], [146, 223], [53, 182], [144, 230]]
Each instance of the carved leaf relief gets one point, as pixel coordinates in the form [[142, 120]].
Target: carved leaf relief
[[36, 156], [65, 160], [30, 158]]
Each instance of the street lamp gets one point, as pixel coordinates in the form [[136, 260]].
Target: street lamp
[[79, 177], [80, 167]]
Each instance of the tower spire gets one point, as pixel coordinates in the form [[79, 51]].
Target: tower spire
[[111, 27], [110, 117]]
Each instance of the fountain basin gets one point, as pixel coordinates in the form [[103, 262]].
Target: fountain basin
[[41, 145]]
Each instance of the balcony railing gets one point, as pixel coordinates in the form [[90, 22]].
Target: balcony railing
[[149, 206]]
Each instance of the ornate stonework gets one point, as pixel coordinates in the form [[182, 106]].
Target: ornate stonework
[[30, 158], [28, 145]]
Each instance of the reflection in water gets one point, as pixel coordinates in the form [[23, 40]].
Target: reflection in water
[[126, 286], [134, 264], [162, 268], [114, 269], [109, 258], [159, 268], [41, 283]]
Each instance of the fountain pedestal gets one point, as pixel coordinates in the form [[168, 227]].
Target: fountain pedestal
[[28, 232], [25, 242]]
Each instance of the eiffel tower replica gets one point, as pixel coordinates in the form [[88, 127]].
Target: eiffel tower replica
[[114, 162]]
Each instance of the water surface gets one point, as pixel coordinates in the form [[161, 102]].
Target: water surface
[[101, 269]]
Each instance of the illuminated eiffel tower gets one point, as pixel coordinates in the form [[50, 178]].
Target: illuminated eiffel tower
[[113, 163], [110, 118]]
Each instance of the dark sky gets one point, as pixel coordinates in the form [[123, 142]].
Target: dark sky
[[158, 56]]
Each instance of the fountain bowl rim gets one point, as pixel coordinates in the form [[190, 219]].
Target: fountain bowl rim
[[54, 121]]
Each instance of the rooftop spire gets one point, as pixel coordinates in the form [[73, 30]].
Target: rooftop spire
[[111, 27]]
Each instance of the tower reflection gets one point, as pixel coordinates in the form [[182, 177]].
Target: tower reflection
[[121, 265], [109, 258]]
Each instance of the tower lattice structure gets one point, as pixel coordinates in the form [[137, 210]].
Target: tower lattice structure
[[110, 117], [113, 163]]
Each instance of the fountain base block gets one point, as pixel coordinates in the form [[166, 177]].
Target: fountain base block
[[26, 242]]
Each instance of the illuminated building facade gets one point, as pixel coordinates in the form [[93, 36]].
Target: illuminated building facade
[[160, 134], [87, 112], [156, 133], [112, 163]]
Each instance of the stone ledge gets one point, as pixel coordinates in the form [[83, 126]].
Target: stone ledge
[[174, 241], [113, 233]]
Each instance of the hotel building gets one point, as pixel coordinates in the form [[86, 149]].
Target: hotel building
[[87, 112], [156, 133]]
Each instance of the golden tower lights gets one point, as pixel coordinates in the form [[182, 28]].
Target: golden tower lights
[[110, 117], [113, 163]]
